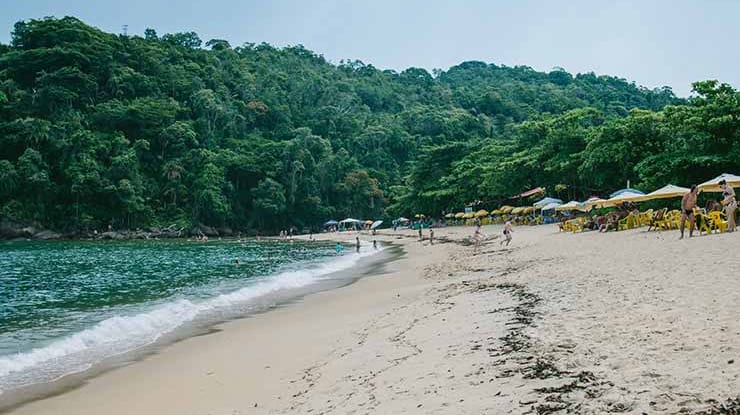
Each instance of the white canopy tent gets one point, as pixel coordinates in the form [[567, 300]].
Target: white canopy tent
[[713, 185], [550, 206]]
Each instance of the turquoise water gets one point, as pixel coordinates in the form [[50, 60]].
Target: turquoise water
[[65, 306]]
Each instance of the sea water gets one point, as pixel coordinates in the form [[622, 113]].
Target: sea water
[[66, 306]]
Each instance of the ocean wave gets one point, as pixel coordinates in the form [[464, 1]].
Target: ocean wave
[[122, 334]]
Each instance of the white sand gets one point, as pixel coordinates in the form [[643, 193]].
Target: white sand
[[632, 322]]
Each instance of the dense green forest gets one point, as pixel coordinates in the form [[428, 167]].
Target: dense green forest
[[99, 129]]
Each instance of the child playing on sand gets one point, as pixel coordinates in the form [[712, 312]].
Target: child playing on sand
[[507, 233]]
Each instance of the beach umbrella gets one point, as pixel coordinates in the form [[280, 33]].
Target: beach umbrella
[[419, 216], [550, 206], [516, 211], [402, 219], [481, 213], [713, 185], [546, 201], [625, 190], [631, 196], [506, 209], [376, 224], [470, 215], [665, 192], [331, 223], [450, 215], [594, 201], [350, 220], [572, 205], [459, 215], [528, 210]]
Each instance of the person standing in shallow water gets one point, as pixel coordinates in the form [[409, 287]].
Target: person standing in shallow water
[[357, 239], [688, 202]]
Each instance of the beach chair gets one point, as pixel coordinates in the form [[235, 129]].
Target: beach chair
[[645, 218], [703, 223], [657, 218], [718, 220], [629, 222]]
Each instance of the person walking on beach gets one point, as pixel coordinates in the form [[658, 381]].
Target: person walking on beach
[[688, 202], [357, 239], [431, 236], [421, 236], [730, 204], [477, 238], [507, 233]]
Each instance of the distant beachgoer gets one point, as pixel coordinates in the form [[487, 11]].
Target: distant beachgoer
[[237, 262], [431, 236], [375, 244], [477, 238], [688, 203], [339, 248], [357, 239], [507, 233], [421, 235], [730, 203]]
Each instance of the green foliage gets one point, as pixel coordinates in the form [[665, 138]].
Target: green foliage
[[99, 129]]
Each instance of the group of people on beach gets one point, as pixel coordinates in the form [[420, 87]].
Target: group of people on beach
[[479, 237], [688, 204]]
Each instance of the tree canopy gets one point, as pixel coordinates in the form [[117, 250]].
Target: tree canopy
[[98, 129]]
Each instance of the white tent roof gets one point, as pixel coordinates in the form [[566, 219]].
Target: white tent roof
[[546, 201], [550, 206], [350, 220], [713, 185]]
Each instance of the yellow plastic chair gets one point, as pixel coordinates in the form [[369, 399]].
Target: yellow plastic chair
[[718, 220], [645, 218]]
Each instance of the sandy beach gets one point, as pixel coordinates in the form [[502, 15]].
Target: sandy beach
[[629, 322]]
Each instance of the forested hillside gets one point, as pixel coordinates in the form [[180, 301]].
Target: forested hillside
[[99, 129]]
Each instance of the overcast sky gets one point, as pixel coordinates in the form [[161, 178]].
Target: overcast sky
[[653, 43]]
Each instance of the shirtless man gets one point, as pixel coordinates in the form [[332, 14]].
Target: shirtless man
[[688, 202]]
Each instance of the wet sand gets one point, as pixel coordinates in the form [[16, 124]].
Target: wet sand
[[629, 322]]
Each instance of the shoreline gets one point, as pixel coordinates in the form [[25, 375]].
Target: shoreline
[[628, 322], [202, 326]]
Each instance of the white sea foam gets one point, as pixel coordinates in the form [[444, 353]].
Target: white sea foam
[[122, 334]]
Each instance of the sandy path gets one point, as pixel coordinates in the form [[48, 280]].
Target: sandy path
[[589, 323]]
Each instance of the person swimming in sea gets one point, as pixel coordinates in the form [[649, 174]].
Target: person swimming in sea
[[339, 248]]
